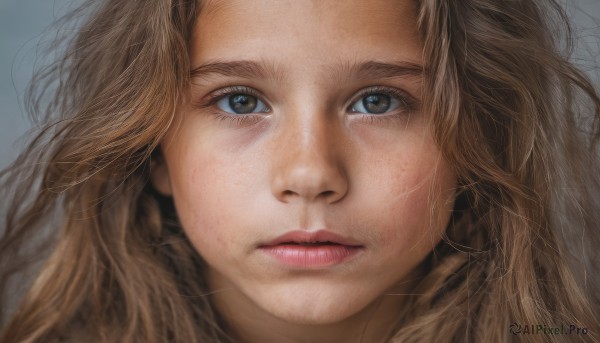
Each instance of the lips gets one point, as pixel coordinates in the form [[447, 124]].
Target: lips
[[303, 249]]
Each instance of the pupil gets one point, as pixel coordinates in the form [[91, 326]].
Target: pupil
[[377, 103], [241, 103]]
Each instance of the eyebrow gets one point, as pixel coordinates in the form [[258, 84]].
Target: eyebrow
[[376, 70], [339, 72], [244, 69]]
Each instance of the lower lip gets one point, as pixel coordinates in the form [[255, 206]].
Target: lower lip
[[311, 256]]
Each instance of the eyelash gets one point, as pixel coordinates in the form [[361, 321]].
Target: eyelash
[[218, 95], [407, 104]]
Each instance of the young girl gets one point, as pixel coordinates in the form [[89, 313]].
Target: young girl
[[308, 171]]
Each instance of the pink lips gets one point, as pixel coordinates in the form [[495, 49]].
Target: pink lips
[[311, 249]]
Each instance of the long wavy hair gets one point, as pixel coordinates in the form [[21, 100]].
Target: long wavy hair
[[93, 253]]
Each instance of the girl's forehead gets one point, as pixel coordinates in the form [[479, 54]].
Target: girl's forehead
[[307, 32], [359, 9]]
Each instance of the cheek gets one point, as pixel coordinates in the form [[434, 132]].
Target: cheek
[[412, 200], [202, 192]]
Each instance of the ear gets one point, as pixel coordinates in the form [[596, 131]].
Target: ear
[[159, 175]]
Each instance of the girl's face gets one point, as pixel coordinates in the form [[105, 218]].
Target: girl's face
[[304, 117]]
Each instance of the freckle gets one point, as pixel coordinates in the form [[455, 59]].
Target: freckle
[[222, 241], [194, 177]]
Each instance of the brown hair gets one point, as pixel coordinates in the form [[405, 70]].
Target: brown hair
[[517, 121], [511, 117]]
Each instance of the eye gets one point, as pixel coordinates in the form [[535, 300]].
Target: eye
[[241, 103], [375, 103]]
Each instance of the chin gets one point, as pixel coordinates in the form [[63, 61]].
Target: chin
[[315, 305]]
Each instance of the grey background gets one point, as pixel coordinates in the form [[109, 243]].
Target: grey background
[[25, 23]]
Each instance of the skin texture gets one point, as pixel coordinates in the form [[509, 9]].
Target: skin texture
[[307, 162]]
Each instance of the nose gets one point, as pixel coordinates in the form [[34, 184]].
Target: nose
[[308, 165]]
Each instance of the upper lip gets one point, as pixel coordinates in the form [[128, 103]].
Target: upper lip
[[321, 236]]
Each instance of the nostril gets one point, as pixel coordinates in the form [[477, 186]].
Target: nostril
[[327, 194], [324, 194], [288, 193]]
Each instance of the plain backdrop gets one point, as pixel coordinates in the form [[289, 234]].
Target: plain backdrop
[[24, 24]]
